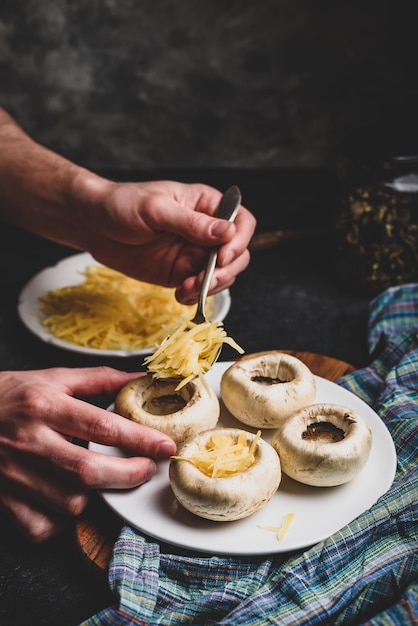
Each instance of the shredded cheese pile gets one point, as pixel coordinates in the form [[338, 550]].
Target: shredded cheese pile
[[189, 352], [282, 530], [224, 455], [111, 311]]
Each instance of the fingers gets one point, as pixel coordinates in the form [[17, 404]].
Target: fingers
[[41, 493], [39, 478], [89, 381], [48, 449], [46, 397], [236, 247], [41, 506], [85, 469], [49, 397], [36, 525], [192, 226], [38, 502], [189, 211], [223, 278], [77, 418], [188, 292]]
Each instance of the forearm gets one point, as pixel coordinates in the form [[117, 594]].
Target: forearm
[[41, 191]]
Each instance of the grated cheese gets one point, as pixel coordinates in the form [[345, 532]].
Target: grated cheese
[[189, 351], [111, 311], [282, 530], [224, 455]]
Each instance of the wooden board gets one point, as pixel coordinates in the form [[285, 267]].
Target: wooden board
[[98, 528]]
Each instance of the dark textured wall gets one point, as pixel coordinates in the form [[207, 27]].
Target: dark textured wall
[[163, 83]]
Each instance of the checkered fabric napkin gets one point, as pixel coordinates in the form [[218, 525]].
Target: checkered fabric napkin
[[366, 573]]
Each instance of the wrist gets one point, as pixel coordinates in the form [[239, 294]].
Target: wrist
[[85, 198], [43, 192]]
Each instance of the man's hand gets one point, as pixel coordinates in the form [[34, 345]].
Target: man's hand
[[162, 232], [44, 477]]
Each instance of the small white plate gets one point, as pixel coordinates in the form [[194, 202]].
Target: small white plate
[[67, 272], [319, 512]]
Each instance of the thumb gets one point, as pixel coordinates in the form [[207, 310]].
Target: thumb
[[196, 227]]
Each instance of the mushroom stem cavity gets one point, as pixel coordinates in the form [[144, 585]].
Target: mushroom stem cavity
[[178, 413], [166, 403], [267, 380], [323, 431]]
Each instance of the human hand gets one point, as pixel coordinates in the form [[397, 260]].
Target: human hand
[[45, 479], [162, 232]]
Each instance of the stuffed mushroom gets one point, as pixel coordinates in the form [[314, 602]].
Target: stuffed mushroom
[[247, 474]]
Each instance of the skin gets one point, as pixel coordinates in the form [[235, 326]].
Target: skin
[[160, 232]]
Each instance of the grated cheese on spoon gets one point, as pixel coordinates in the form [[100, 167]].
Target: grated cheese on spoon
[[189, 352]]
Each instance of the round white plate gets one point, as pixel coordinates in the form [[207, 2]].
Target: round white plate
[[319, 512], [67, 272]]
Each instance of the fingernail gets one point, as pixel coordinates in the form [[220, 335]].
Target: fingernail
[[166, 449], [219, 227]]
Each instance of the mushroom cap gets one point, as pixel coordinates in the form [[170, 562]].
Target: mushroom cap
[[265, 388], [227, 498], [323, 445], [180, 414]]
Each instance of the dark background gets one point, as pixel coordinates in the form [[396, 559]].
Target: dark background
[[147, 84]]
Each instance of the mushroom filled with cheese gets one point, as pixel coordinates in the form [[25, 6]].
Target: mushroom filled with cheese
[[180, 413], [265, 388], [224, 474], [323, 445]]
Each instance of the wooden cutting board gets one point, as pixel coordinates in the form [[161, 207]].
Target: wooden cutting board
[[98, 528]]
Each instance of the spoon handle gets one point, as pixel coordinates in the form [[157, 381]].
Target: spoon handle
[[227, 210]]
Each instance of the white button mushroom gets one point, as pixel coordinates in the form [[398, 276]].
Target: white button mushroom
[[178, 413], [235, 493], [323, 445], [263, 389]]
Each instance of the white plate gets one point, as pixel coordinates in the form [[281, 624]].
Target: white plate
[[319, 512], [67, 272]]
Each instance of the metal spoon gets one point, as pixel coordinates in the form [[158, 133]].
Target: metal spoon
[[227, 210]]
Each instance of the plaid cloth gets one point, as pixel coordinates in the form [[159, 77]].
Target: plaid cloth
[[367, 573]]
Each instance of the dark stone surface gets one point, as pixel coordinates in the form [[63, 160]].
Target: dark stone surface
[[290, 297]]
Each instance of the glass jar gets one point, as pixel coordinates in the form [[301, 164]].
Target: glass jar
[[377, 224]]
